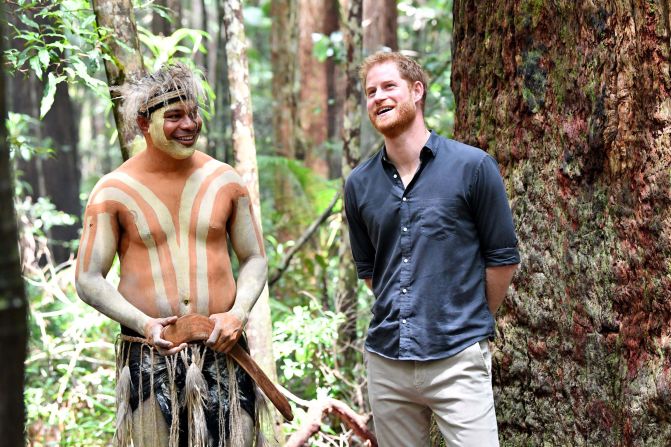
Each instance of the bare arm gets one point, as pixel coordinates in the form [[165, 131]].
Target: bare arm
[[251, 280], [96, 254], [369, 283], [497, 283]]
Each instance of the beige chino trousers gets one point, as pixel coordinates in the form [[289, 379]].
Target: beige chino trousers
[[457, 390]]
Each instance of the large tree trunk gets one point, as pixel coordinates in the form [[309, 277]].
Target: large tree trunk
[[259, 328], [55, 177], [380, 32], [346, 296], [61, 172], [13, 306], [573, 99], [118, 16], [380, 25], [284, 43], [219, 136], [317, 79]]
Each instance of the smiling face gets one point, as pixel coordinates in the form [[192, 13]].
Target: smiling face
[[392, 102], [174, 129]]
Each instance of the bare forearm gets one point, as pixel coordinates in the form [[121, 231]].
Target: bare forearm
[[369, 283], [101, 295], [497, 282], [252, 279]]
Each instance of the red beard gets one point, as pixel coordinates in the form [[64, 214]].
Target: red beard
[[392, 126]]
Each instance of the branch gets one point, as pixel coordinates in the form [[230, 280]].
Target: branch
[[316, 412], [307, 234]]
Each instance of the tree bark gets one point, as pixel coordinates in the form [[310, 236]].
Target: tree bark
[[118, 16], [220, 132], [162, 26], [573, 99], [61, 172], [380, 25], [259, 328], [55, 177], [13, 305], [284, 45], [284, 40], [380, 32], [316, 103], [346, 296]]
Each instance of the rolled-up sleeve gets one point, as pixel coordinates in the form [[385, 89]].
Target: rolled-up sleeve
[[363, 251], [493, 218]]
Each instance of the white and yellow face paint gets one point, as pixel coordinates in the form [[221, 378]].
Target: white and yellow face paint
[[171, 147]]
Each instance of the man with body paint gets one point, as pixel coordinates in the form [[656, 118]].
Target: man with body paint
[[168, 212]]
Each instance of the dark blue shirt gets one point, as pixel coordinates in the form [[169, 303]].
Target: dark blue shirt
[[426, 248]]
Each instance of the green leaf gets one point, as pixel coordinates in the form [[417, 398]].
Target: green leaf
[[43, 55], [49, 93], [36, 66], [28, 21]]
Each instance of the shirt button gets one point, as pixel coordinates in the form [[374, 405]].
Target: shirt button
[[405, 260], [395, 175], [404, 321], [405, 228], [186, 301], [404, 290], [404, 199]]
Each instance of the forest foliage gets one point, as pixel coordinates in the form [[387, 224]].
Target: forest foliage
[[70, 373]]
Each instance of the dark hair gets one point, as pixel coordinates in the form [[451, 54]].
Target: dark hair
[[408, 68]]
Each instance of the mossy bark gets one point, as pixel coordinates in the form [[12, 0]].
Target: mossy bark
[[116, 25], [346, 296], [573, 100]]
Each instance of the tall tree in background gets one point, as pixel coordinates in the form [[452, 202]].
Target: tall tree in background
[[574, 100], [316, 111], [346, 296], [380, 24], [259, 328], [380, 32], [169, 19], [219, 133], [284, 43], [13, 306], [116, 22], [55, 176]]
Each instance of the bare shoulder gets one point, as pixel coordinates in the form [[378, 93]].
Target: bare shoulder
[[226, 173]]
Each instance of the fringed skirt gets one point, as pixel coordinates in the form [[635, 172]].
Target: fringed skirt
[[200, 392]]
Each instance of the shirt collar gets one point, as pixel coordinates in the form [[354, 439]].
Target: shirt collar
[[430, 147]]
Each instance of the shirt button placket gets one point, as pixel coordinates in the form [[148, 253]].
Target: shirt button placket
[[406, 246]]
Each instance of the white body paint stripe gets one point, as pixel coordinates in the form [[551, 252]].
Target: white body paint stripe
[[204, 216], [180, 263], [116, 194], [187, 202]]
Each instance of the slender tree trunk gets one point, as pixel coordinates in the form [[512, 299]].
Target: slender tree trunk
[[316, 16], [380, 32], [346, 296], [573, 99], [13, 305], [166, 26], [284, 43], [380, 25], [118, 16], [259, 328], [55, 177], [220, 135]]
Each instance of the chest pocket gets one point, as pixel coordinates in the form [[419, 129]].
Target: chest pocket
[[437, 218]]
